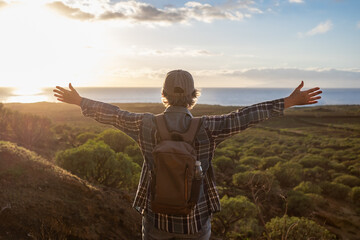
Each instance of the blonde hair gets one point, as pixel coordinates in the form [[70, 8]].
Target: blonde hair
[[188, 101]]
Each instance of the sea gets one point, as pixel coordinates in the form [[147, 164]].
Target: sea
[[218, 96]]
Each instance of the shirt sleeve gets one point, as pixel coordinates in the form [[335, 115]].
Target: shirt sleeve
[[226, 125], [127, 122]]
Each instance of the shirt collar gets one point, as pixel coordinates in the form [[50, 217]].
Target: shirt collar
[[178, 109]]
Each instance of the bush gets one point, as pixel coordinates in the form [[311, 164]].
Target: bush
[[315, 174], [311, 160], [98, 163], [84, 137], [116, 139], [135, 154], [250, 160], [335, 190], [270, 162], [317, 199], [348, 180], [256, 151], [355, 195], [355, 169], [254, 178], [299, 204], [289, 174], [236, 219], [295, 228], [308, 187]]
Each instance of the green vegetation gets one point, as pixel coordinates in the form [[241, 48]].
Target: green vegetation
[[299, 174]]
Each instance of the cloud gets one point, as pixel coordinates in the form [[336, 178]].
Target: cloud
[[175, 52], [296, 1], [358, 24], [70, 12], [254, 77], [320, 28], [143, 12]]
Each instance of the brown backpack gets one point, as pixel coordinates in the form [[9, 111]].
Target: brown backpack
[[174, 190]]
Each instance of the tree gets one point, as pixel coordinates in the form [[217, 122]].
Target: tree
[[237, 219], [295, 228]]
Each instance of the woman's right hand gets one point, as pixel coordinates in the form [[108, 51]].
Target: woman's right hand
[[64, 95]]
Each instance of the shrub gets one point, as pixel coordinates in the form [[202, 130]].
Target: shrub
[[308, 187], [236, 219], [256, 151], [299, 204], [135, 154], [250, 160], [355, 169], [317, 199], [348, 180], [295, 228], [84, 137], [289, 174], [270, 162], [223, 164], [315, 174], [355, 195], [311, 160], [98, 163], [335, 190], [116, 139], [339, 167], [327, 153]]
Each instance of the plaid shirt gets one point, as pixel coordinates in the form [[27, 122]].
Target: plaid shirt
[[214, 129]]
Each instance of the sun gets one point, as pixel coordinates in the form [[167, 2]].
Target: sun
[[39, 48]]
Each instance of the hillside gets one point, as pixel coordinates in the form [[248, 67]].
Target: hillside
[[39, 200]]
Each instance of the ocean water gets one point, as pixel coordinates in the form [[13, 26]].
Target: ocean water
[[220, 96]]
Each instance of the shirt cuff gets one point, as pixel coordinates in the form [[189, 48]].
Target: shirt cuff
[[278, 107]]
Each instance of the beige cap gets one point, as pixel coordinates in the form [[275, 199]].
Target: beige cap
[[179, 83]]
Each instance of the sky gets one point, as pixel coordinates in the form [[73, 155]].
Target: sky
[[223, 43]]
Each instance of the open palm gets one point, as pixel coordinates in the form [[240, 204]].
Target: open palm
[[68, 96]]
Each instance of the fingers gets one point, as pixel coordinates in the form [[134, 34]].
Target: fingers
[[312, 90], [59, 92], [300, 86], [312, 102], [315, 93], [62, 89], [72, 88]]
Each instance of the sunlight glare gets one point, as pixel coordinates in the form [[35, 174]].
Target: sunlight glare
[[40, 48]]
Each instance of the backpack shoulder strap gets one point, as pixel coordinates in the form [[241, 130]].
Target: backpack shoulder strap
[[190, 134], [161, 127]]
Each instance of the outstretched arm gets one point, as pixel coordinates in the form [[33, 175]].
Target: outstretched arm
[[223, 126], [127, 122], [298, 97]]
